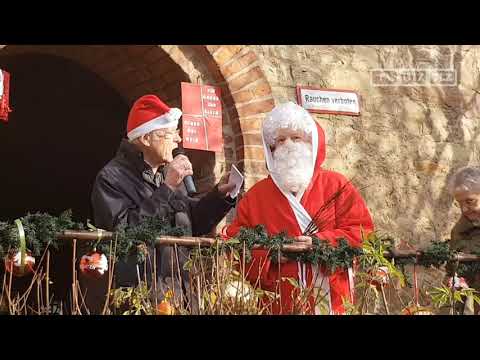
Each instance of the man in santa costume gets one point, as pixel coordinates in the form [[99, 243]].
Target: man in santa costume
[[288, 199], [144, 180]]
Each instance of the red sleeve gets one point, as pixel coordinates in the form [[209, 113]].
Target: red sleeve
[[351, 218], [241, 218], [260, 264]]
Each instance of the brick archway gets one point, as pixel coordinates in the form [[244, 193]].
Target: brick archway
[[247, 98], [138, 69]]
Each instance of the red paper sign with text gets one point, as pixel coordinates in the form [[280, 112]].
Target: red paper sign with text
[[4, 95], [202, 117]]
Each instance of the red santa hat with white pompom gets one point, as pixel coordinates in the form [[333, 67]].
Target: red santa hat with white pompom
[[149, 113]]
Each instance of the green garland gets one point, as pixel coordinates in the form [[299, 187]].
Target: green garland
[[469, 270], [331, 257], [130, 238], [40, 232], [323, 253], [437, 254], [41, 228], [259, 236]]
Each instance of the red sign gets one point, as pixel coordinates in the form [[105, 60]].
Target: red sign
[[4, 95], [202, 117]]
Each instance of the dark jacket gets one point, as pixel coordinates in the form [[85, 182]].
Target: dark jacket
[[465, 237], [126, 190]]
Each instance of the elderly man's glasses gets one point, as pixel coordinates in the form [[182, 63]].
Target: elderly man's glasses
[[169, 135]]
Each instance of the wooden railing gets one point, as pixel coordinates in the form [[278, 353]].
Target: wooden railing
[[189, 241]]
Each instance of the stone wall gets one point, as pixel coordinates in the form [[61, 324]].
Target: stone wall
[[407, 141]]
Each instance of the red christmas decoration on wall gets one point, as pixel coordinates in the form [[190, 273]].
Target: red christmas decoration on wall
[[4, 95]]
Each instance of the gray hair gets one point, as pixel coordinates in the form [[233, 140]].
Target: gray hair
[[465, 179]]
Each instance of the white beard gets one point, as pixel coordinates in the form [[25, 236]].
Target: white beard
[[293, 166]]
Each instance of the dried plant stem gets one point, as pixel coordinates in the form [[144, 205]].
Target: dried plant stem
[[47, 283], [384, 299]]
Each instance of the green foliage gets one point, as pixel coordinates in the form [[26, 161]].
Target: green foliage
[[132, 301], [259, 236], [41, 229], [129, 239], [436, 255], [40, 232], [331, 257], [323, 253], [444, 295], [373, 257], [470, 269]]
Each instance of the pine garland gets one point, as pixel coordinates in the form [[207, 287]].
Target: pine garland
[[437, 254], [130, 239], [470, 269], [259, 236], [328, 256], [40, 232], [41, 229], [323, 253]]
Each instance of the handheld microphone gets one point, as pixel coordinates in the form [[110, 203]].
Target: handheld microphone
[[187, 180]]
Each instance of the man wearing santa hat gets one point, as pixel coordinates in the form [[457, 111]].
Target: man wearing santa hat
[[294, 146], [144, 180]]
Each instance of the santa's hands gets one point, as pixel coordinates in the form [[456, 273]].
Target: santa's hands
[[304, 240], [300, 244], [223, 186], [177, 170]]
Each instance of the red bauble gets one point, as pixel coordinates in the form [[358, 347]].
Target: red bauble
[[94, 265], [416, 310], [13, 263]]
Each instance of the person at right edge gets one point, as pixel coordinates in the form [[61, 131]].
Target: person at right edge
[[465, 236]]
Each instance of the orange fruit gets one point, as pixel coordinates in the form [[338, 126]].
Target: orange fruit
[[164, 308]]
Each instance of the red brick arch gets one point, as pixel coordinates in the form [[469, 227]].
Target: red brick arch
[[247, 97]]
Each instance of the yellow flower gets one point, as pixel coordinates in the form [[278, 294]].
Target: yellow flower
[[169, 294], [213, 298]]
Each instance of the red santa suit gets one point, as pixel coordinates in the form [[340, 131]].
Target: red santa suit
[[267, 204]]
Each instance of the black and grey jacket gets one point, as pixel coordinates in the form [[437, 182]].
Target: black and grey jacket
[[126, 190]]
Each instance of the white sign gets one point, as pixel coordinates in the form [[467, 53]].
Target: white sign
[[236, 178], [329, 101]]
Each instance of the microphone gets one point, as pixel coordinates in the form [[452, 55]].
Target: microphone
[[187, 180]]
